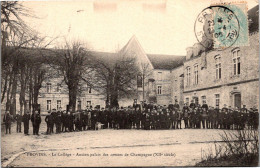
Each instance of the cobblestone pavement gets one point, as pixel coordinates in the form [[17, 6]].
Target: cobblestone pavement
[[182, 147]]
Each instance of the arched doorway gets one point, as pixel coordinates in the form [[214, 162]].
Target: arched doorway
[[237, 100], [235, 97]]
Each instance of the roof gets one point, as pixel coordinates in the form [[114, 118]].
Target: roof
[[158, 61], [107, 58], [253, 18], [166, 62]]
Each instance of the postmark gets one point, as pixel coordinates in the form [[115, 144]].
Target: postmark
[[222, 26], [217, 27]]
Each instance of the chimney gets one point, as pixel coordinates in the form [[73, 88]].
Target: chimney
[[189, 53]]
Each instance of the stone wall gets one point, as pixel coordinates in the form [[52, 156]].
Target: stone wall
[[246, 83]]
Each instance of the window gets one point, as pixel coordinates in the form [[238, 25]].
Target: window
[[196, 100], [203, 98], [159, 75], [139, 81], [187, 101], [58, 104], [48, 87], [48, 104], [196, 72], [218, 66], [159, 90], [236, 62], [58, 87], [188, 76], [89, 90], [88, 103], [217, 100]]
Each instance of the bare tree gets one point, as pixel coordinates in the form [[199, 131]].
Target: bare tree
[[14, 35], [145, 73], [72, 60], [116, 78]]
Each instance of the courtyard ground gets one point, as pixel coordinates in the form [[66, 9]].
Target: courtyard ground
[[182, 147]]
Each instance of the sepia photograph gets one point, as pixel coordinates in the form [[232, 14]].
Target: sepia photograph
[[130, 83]]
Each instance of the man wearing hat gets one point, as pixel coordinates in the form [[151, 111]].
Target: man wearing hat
[[176, 105], [26, 120], [210, 116], [192, 104], [230, 118], [204, 118], [36, 121], [58, 122], [8, 121], [19, 119], [49, 121]]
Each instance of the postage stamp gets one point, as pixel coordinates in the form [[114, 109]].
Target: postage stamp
[[222, 25]]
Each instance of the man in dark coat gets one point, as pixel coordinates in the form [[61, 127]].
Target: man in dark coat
[[179, 118], [63, 121], [185, 107], [215, 118], [243, 117], [58, 122], [138, 116], [50, 122], [36, 121], [147, 121], [26, 120], [162, 120], [94, 119], [157, 120], [168, 119], [236, 118], [55, 114], [8, 121], [221, 119], [192, 104], [192, 118], [199, 117], [71, 121], [89, 120], [84, 119], [204, 118], [186, 117], [19, 119], [176, 105]]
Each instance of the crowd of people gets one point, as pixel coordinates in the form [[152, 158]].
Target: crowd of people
[[146, 116]]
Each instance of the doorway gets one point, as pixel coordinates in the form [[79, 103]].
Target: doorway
[[196, 100], [237, 100]]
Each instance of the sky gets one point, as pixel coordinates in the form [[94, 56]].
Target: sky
[[161, 26]]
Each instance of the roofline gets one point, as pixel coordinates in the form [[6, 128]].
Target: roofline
[[134, 37], [162, 69]]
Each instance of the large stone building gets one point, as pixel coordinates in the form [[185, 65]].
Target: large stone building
[[216, 77], [219, 77], [156, 70]]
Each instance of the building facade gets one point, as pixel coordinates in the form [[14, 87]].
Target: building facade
[[215, 77], [219, 77], [156, 86]]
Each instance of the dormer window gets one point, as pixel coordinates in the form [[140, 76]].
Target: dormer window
[[48, 87], [159, 76]]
